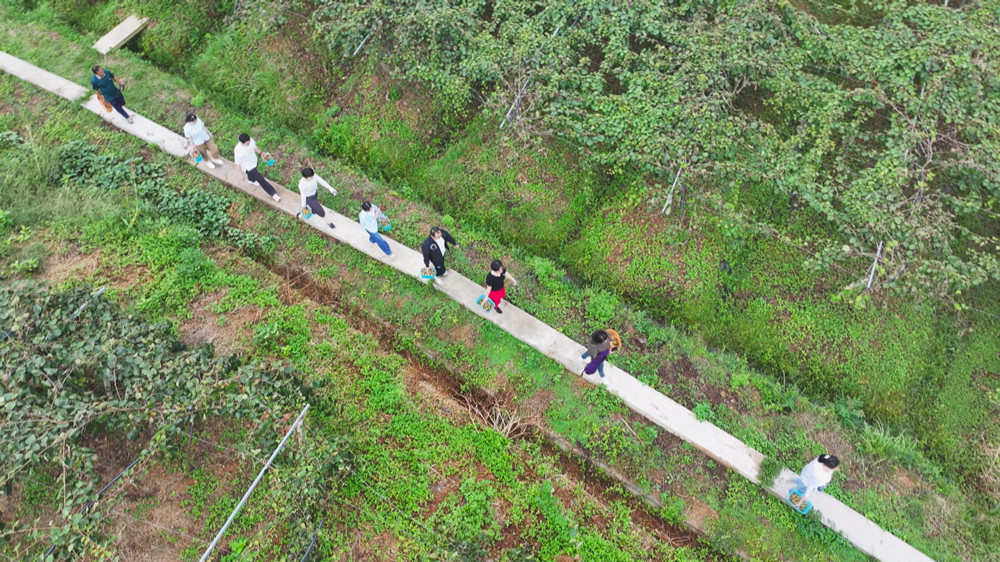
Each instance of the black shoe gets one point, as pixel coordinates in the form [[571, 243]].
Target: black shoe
[[497, 309], [332, 225]]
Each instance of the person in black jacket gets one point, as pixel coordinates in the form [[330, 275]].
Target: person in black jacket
[[434, 249]]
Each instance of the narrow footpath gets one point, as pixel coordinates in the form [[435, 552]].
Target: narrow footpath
[[658, 408]]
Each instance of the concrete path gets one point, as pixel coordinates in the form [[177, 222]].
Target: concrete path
[[120, 34], [657, 408], [41, 78]]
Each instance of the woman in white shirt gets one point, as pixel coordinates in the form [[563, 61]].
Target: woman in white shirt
[[199, 137], [818, 473], [308, 186]]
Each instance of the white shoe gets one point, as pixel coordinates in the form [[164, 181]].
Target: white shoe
[[131, 119], [210, 165], [218, 161], [253, 183], [445, 274], [276, 198]]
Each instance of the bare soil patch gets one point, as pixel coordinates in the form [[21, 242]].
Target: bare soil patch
[[227, 332], [69, 264]]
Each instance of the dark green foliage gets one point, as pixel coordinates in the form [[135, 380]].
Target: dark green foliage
[[81, 14], [203, 211], [75, 362], [178, 29], [239, 72], [739, 93]]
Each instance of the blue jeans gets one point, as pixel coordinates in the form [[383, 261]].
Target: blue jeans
[[376, 238], [600, 366]]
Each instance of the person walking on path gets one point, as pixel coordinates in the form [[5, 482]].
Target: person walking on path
[[495, 290], [104, 82], [308, 186], [817, 474], [245, 156], [199, 138], [368, 217], [598, 349], [434, 249]]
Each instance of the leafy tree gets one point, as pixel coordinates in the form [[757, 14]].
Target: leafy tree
[[885, 129]]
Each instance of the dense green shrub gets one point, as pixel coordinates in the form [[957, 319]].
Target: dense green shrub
[[76, 362], [177, 28], [84, 15], [207, 213], [239, 71]]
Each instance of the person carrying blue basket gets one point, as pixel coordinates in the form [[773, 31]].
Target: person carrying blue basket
[[434, 248], [814, 477], [368, 217], [308, 186], [495, 284], [245, 156]]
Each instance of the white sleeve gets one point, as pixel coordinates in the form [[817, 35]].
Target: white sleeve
[[302, 195], [322, 182]]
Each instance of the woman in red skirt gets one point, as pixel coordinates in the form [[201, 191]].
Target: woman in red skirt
[[495, 284]]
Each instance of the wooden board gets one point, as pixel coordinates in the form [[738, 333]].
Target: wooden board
[[120, 34]]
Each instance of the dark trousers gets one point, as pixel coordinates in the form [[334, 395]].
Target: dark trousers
[[119, 105], [439, 269], [313, 204], [254, 175]]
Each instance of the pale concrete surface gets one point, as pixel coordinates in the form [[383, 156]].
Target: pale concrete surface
[[143, 128], [41, 78], [864, 534], [121, 34], [657, 408]]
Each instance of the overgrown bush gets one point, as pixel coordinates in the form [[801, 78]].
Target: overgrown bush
[[75, 362], [206, 212], [177, 29]]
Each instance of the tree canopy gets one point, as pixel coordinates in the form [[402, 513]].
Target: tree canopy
[[881, 120]]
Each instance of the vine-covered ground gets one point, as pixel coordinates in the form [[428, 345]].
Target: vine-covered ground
[[904, 392]]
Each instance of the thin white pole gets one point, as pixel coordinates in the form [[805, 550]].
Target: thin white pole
[[670, 196], [260, 476], [365, 40], [871, 275]]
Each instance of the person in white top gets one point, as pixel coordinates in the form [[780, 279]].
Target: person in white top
[[368, 217], [818, 473], [199, 137], [308, 186], [245, 156]]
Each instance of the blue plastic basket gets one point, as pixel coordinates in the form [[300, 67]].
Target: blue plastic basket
[[427, 273], [486, 304], [801, 504]]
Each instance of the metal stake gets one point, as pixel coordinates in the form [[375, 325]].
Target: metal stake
[[871, 275], [260, 476]]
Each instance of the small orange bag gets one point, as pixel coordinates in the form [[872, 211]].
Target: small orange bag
[[616, 340]]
